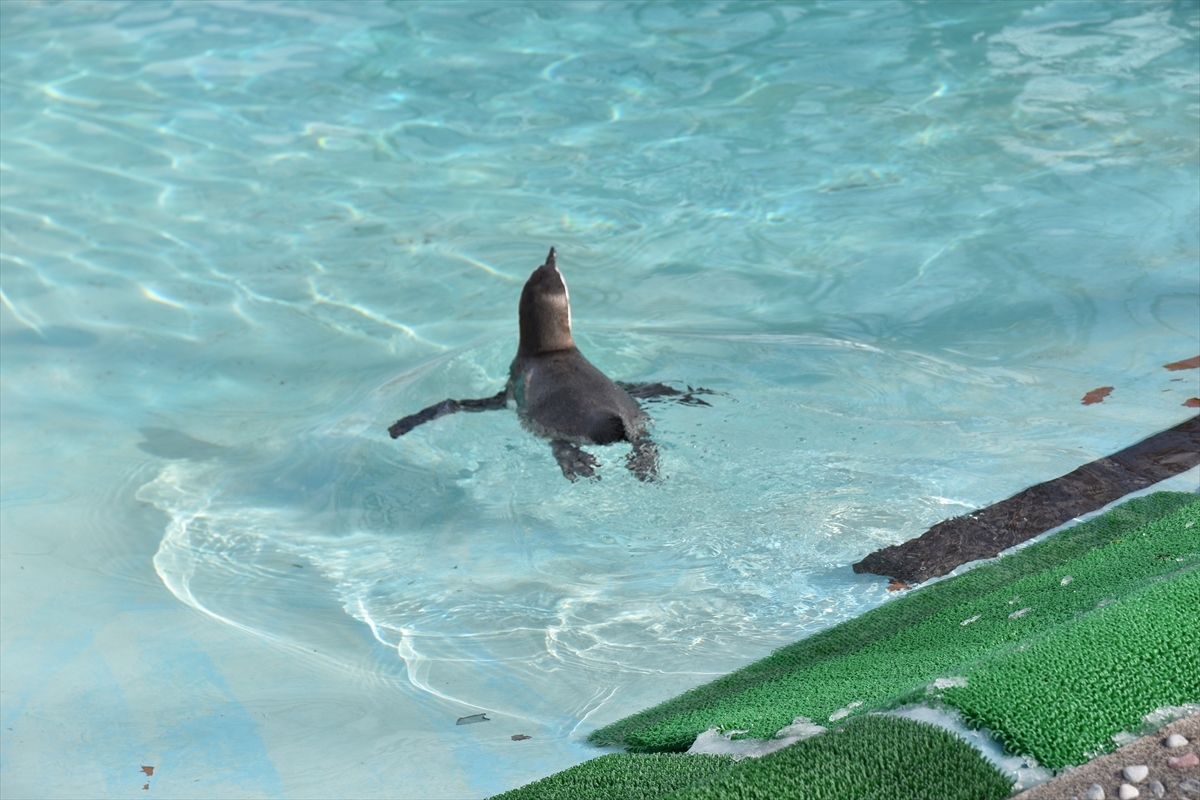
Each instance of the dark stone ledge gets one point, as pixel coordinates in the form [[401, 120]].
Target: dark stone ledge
[[984, 533]]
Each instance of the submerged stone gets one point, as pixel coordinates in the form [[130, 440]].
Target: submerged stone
[[471, 720]]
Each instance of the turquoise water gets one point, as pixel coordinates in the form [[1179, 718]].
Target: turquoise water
[[240, 239]]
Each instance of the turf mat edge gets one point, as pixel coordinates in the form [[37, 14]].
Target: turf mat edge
[[869, 758], [873, 757]]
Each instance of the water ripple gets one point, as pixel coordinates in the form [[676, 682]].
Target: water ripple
[[905, 238]]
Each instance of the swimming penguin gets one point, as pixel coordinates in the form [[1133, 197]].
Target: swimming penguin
[[559, 394]]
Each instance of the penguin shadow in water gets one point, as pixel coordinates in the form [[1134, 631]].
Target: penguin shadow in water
[[559, 395]]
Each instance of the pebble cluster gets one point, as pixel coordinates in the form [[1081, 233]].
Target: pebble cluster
[[1135, 774]]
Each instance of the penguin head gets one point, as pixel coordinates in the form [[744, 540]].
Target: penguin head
[[545, 311]]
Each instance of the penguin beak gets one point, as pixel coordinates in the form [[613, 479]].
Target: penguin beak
[[552, 264]]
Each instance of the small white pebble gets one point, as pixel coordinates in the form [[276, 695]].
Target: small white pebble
[[1156, 788], [1190, 523], [969, 620], [1136, 773], [1066, 580], [1127, 792], [1094, 792], [1176, 740], [1018, 614]]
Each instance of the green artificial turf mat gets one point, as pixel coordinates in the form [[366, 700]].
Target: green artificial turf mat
[[938, 630], [1062, 697], [869, 758], [622, 776]]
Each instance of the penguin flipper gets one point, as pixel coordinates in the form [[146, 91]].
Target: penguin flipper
[[660, 391], [448, 406]]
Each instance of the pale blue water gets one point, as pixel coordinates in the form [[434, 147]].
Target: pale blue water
[[240, 239]]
